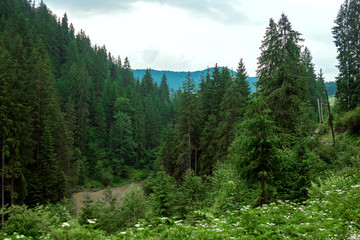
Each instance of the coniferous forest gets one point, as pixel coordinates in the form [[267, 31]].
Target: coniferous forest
[[210, 161]]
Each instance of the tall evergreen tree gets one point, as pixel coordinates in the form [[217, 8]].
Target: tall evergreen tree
[[255, 150], [310, 80], [346, 33], [187, 128], [281, 75], [232, 110]]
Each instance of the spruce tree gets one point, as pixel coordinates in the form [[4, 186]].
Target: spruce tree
[[187, 128], [346, 34], [255, 149], [282, 78], [232, 110]]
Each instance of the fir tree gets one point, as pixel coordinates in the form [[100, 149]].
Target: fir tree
[[282, 78], [255, 150], [347, 40], [232, 110], [187, 128]]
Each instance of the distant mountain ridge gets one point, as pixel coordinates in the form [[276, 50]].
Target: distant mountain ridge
[[175, 78]]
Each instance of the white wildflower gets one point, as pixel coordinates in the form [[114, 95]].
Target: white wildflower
[[92, 221], [356, 186], [140, 229], [137, 225], [65, 224], [123, 233], [322, 229]]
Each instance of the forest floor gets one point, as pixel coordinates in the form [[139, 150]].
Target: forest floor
[[80, 197]]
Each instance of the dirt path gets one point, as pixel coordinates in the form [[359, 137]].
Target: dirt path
[[79, 197]]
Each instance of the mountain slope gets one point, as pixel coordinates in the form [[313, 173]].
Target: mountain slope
[[175, 79]]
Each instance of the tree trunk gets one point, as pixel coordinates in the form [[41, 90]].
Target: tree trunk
[[189, 147], [330, 118], [318, 101], [321, 109], [2, 183]]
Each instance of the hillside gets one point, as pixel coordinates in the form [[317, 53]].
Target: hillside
[[331, 88], [175, 79]]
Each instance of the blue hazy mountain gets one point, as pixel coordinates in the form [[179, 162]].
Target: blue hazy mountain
[[175, 79], [331, 88]]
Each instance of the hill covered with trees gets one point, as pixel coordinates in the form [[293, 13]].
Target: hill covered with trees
[[215, 160]]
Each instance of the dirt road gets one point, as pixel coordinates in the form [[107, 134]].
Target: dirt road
[[79, 197]]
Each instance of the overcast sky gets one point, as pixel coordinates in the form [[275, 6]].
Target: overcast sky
[[188, 35]]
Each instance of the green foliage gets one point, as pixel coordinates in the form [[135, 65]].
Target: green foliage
[[193, 191], [110, 215], [255, 151], [41, 220], [164, 195], [349, 121], [229, 191], [346, 36]]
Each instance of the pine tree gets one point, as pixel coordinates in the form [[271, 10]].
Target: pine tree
[[187, 128], [281, 74], [232, 111], [255, 150], [346, 33], [208, 146], [310, 80]]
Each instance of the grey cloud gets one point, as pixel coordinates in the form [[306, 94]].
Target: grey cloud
[[223, 11]]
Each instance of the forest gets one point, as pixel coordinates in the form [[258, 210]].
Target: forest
[[209, 161]]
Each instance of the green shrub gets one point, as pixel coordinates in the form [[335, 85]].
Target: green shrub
[[165, 196], [134, 207], [349, 121], [37, 221], [228, 190]]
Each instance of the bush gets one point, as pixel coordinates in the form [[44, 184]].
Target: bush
[[228, 191], [37, 221], [112, 215], [194, 191], [135, 206], [165, 196], [349, 121]]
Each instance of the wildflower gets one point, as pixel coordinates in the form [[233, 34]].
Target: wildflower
[[333, 185], [92, 221], [163, 218], [139, 229], [216, 219], [356, 186], [123, 233], [271, 224], [322, 229], [137, 225], [65, 224]]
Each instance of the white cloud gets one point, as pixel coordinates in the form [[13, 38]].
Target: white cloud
[[192, 35]]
